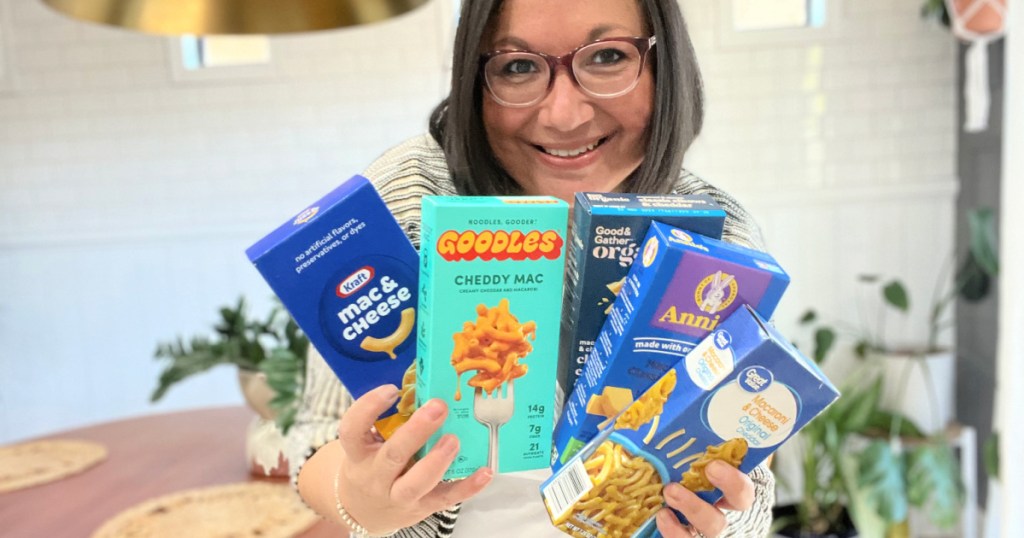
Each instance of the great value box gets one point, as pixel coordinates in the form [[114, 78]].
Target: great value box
[[679, 290], [489, 302], [347, 273], [736, 397], [607, 231]]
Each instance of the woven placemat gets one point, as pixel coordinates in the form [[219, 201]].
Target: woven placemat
[[259, 509], [38, 462]]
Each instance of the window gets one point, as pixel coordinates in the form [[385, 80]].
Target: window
[[198, 52], [758, 22], [220, 57], [749, 15]]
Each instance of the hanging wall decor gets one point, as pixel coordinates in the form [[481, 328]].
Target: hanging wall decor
[[978, 22]]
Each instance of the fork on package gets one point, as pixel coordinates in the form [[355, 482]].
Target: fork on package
[[493, 410]]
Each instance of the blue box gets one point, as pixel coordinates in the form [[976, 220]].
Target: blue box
[[607, 231], [680, 289], [741, 393], [348, 274]]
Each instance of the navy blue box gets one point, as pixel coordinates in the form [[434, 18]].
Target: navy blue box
[[607, 230]]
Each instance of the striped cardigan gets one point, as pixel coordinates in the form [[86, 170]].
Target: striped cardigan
[[403, 175]]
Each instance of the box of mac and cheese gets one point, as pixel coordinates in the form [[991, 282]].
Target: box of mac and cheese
[[607, 230], [348, 274], [489, 300], [679, 290], [736, 397]]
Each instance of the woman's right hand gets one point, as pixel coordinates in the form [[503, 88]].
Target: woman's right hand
[[378, 484]]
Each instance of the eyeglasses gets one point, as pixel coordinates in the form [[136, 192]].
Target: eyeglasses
[[604, 69]]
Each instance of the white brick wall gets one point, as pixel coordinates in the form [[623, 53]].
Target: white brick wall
[[127, 196], [841, 141]]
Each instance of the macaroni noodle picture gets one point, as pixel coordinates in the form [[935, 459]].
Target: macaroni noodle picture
[[407, 395], [395, 339], [732, 452], [405, 406], [649, 405], [492, 346], [626, 493]]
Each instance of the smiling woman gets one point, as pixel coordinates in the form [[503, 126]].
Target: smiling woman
[[547, 98], [640, 156], [560, 144]]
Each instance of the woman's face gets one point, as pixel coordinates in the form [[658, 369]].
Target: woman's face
[[569, 141]]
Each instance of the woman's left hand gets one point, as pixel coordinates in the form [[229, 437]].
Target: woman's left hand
[[705, 519]]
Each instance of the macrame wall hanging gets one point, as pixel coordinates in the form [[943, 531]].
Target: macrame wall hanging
[[978, 22]]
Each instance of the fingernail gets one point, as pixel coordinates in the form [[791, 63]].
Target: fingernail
[[448, 443], [434, 409], [485, 475], [673, 491], [389, 392]]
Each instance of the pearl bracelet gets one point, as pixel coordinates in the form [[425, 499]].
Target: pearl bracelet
[[352, 525]]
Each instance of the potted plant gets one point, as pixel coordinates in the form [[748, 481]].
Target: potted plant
[[924, 372], [864, 466], [270, 355]]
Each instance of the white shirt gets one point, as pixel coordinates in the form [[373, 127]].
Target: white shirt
[[510, 506]]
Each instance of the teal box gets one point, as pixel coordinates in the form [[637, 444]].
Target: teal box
[[679, 290], [607, 231], [490, 294], [737, 397]]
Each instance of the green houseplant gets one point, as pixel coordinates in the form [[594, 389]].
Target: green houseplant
[[936, 9], [273, 347], [971, 281], [866, 464], [924, 370], [863, 466]]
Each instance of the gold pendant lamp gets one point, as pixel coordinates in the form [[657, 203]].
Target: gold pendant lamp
[[210, 17]]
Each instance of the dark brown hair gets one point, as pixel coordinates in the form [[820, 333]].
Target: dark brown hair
[[457, 122]]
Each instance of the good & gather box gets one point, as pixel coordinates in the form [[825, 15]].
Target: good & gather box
[[607, 230], [489, 302], [736, 397], [348, 274], [680, 289]]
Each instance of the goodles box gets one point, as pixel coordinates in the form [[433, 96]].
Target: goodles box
[[736, 397], [347, 273], [606, 234], [680, 289], [489, 303]]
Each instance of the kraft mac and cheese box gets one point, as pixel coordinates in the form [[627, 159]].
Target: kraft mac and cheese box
[[682, 287], [348, 274], [607, 230], [490, 294], [736, 397]]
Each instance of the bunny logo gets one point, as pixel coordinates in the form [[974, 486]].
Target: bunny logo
[[716, 292]]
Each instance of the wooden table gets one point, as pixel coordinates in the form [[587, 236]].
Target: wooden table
[[147, 457]]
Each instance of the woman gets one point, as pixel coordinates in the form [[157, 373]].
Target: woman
[[536, 107]]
